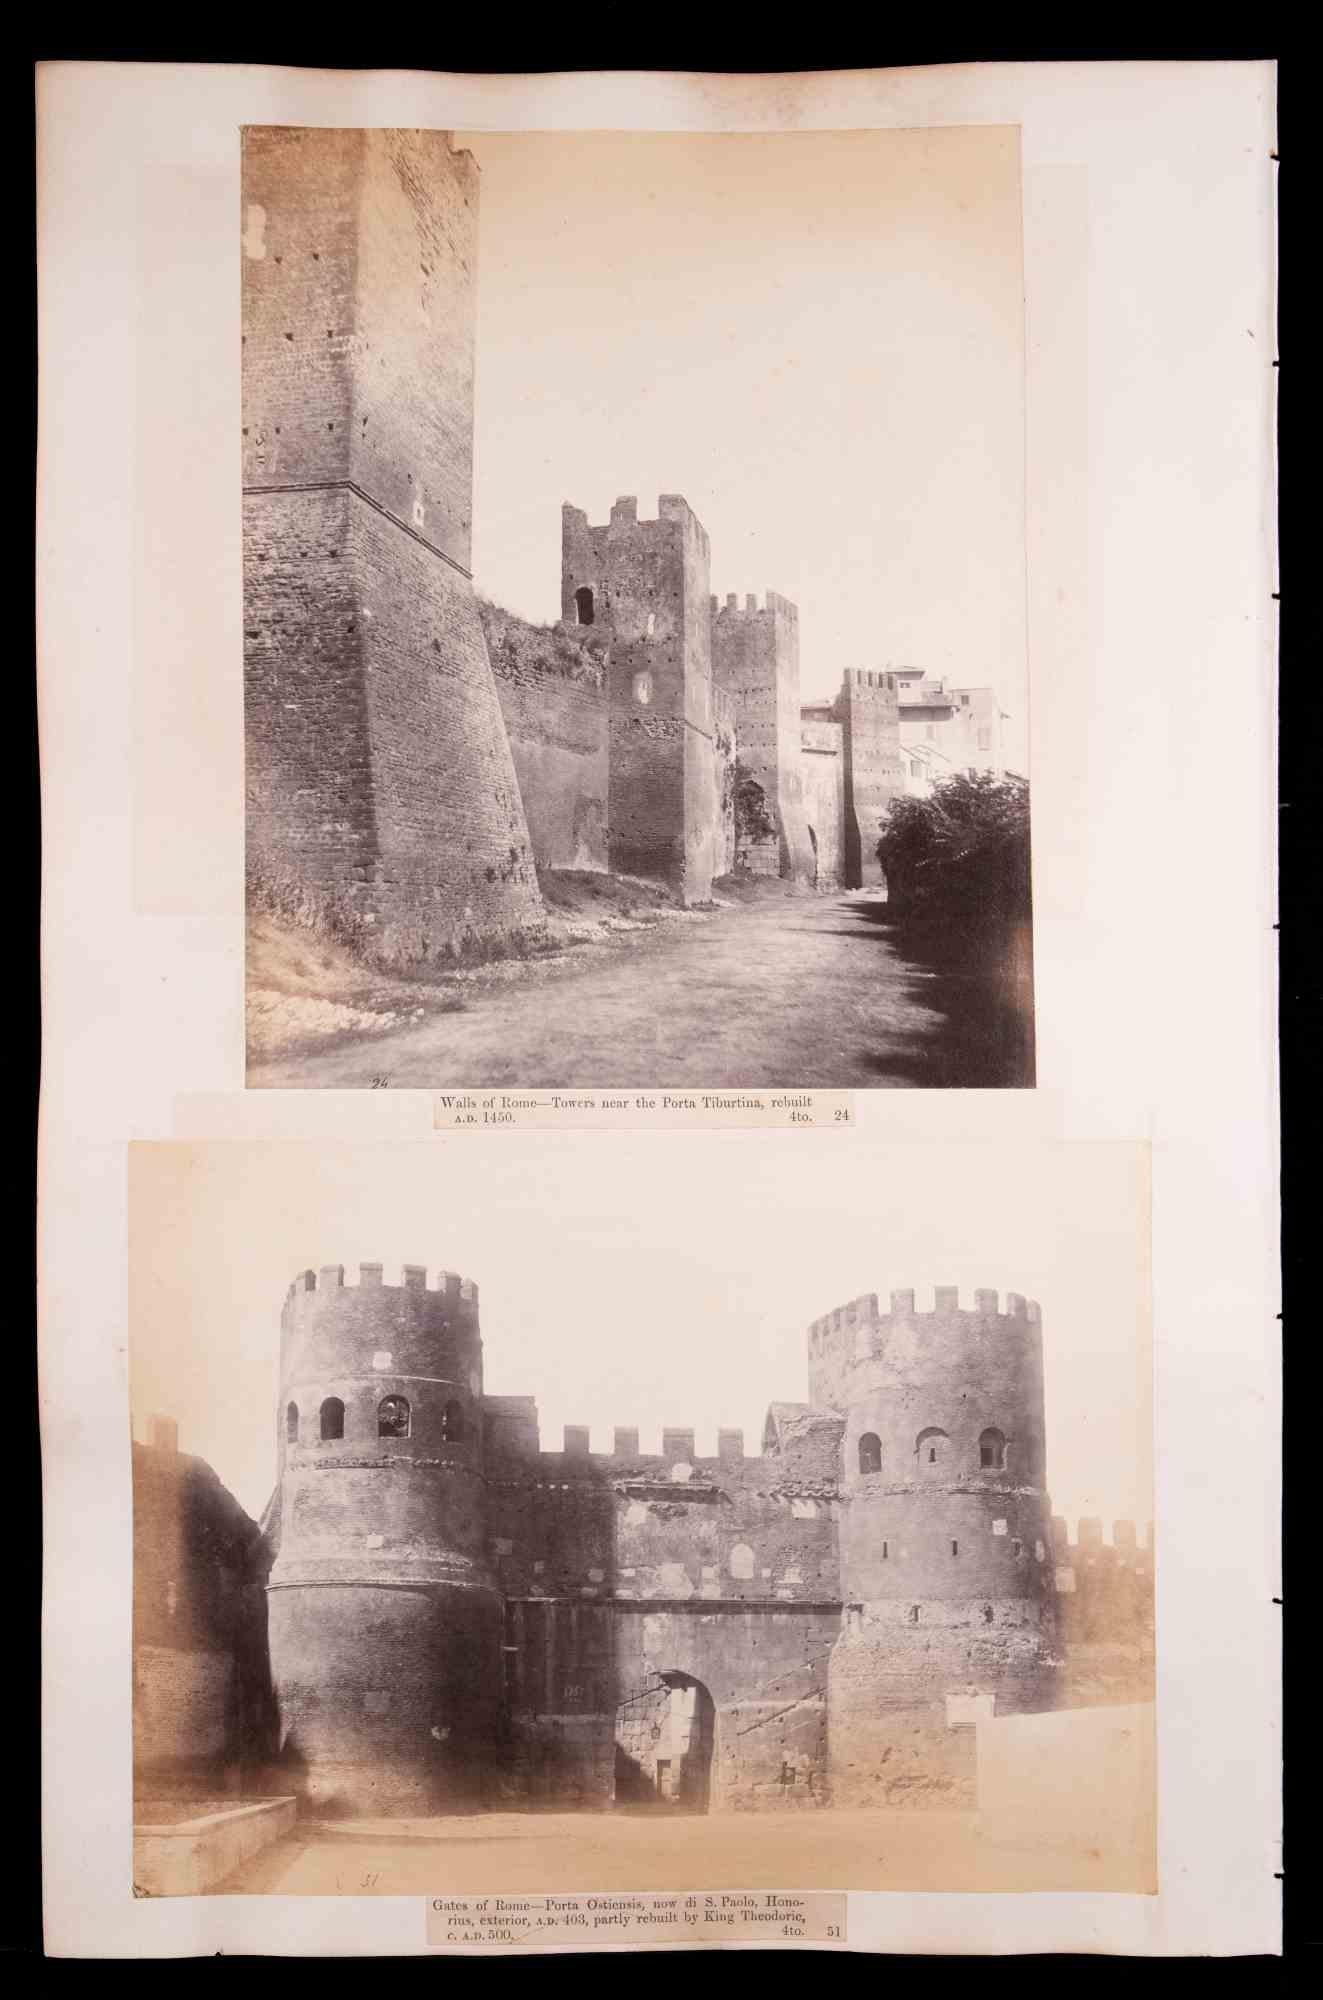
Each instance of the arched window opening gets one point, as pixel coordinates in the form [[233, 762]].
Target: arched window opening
[[452, 1424], [393, 1417], [333, 1419], [870, 1452], [583, 604], [992, 1451], [292, 1423], [930, 1446]]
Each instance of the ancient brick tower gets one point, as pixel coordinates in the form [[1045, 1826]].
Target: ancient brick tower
[[384, 1625], [946, 1547], [868, 706], [646, 583], [755, 658], [382, 797]]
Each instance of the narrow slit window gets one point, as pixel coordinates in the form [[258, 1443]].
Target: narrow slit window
[[452, 1423], [955, 1548], [930, 1446], [292, 1423]]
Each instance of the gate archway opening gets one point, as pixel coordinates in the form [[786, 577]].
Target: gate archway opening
[[665, 1736]]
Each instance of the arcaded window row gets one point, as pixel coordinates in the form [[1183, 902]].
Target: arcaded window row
[[394, 1420], [930, 1448]]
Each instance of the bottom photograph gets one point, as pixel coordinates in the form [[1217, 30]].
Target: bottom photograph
[[688, 1516]]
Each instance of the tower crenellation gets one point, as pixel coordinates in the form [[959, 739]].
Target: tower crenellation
[[383, 1617], [451, 1603]]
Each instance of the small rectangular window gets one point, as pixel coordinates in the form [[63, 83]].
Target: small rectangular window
[[955, 1548]]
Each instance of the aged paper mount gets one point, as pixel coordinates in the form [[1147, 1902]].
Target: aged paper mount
[[1128, 346]]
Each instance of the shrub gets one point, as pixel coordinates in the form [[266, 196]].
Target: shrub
[[961, 854]]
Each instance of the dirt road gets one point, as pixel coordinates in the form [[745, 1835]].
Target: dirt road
[[805, 992], [537, 1853]]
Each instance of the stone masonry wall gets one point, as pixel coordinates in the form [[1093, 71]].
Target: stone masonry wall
[[755, 659], [823, 777], [551, 682], [381, 796], [869, 710], [645, 585], [620, 1569], [197, 1616]]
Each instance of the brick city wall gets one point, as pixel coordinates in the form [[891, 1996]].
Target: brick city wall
[[551, 682], [198, 1630], [823, 777], [869, 710], [755, 659], [649, 594], [381, 796]]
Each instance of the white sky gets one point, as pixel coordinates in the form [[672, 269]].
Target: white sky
[[646, 1280], [816, 337]]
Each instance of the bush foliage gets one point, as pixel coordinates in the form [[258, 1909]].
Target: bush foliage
[[962, 854]]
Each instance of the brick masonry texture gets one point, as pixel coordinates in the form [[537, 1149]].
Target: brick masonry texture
[[455, 1614], [399, 792], [382, 798], [755, 658], [552, 688]]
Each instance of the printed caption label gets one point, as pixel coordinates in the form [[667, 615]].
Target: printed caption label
[[701, 1917], [617, 1110]]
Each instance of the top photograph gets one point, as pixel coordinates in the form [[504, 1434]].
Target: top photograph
[[635, 679]]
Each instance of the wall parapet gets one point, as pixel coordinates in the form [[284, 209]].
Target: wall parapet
[[865, 1310], [414, 1278]]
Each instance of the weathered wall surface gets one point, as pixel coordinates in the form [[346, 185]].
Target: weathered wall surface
[[646, 584], [384, 1621], [551, 682], [381, 796], [1105, 1614], [765, 1670], [822, 770], [725, 752], [755, 659], [945, 1553], [621, 1570], [197, 1626], [455, 1613], [869, 711]]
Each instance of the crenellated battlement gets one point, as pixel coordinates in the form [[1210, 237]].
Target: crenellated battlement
[[865, 1311], [774, 605], [671, 508], [1089, 1541], [413, 1278], [674, 1446], [862, 679]]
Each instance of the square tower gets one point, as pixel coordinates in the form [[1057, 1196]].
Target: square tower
[[381, 794], [645, 585], [869, 710], [755, 659]]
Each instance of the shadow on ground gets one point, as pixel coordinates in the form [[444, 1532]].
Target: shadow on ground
[[981, 987]]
